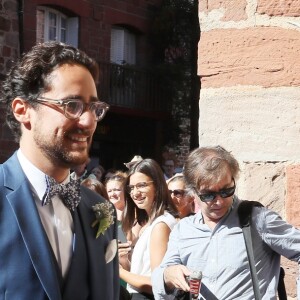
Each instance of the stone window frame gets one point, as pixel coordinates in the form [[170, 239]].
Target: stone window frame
[[66, 28], [123, 46]]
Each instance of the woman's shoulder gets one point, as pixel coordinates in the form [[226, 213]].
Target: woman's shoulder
[[167, 218]]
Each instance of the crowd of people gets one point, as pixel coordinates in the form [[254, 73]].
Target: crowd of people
[[148, 207], [72, 233], [157, 256]]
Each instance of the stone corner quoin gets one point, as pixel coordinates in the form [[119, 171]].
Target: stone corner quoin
[[249, 56]]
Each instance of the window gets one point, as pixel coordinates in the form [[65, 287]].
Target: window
[[123, 46], [52, 25]]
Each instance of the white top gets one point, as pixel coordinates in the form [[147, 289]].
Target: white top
[[140, 260]]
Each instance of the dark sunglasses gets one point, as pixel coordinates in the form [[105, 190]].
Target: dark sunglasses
[[210, 196], [177, 192]]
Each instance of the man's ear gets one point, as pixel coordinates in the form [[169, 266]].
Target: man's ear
[[21, 111]]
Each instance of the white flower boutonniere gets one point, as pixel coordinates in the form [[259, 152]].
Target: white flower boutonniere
[[104, 217]]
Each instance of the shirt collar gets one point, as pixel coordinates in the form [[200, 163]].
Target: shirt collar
[[35, 176]]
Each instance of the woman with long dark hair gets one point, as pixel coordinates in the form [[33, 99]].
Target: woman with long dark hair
[[148, 201]]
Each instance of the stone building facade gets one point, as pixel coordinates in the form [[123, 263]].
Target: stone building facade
[[249, 101], [9, 52], [9, 34], [128, 86]]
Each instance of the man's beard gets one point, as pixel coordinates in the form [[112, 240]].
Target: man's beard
[[56, 152]]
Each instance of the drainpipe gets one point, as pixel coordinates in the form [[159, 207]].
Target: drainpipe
[[21, 25]]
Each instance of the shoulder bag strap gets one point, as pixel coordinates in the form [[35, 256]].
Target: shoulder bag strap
[[245, 212]]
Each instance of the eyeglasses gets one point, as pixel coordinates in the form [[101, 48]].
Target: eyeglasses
[[74, 108], [177, 193], [223, 193], [139, 186]]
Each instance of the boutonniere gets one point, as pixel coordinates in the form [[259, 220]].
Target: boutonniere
[[104, 217]]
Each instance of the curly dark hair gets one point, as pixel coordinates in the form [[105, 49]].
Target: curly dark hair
[[162, 203], [30, 76]]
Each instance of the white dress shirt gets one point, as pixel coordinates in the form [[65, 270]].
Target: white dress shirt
[[56, 217]]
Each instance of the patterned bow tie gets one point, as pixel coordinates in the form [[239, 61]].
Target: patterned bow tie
[[69, 193]]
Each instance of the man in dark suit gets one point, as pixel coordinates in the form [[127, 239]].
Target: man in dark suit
[[49, 246]]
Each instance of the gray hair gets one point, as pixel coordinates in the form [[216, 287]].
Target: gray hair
[[209, 164]]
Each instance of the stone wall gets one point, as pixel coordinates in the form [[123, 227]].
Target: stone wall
[[249, 102], [9, 52], [183, 148], [9, 34]]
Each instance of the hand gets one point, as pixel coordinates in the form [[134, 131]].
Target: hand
[[175, 277], [124, 250]]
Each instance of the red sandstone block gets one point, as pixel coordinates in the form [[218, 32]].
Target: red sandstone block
[[233, 10], [288, 8], [251, 56]]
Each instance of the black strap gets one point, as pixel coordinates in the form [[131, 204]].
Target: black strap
[[245, 212], [281, 287]]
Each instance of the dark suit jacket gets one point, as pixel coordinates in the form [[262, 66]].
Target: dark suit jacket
[[28, 268]]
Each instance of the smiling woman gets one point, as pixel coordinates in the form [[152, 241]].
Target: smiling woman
[[182, 197], [115, 187], [147, 200]]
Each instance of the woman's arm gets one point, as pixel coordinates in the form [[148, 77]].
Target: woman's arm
[[158, 246], [158, 243], [142, 283]]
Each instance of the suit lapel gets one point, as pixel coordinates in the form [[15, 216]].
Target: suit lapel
[[78, 271], [95, 247], [31, 228]]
